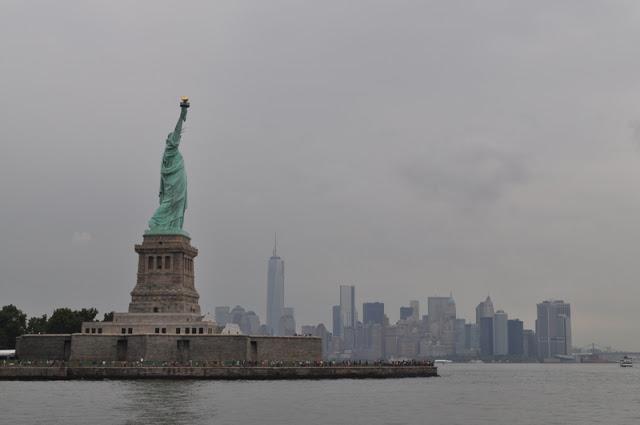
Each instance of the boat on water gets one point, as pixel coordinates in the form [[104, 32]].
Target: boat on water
[[7, 354], [626, 362], [595, 358], [442, 361]]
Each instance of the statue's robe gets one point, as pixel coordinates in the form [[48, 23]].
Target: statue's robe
[[169, 216]]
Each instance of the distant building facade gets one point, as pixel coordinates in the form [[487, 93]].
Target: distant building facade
[[484, 309], [460, 336], [287, 322], [516, 337], [373, 313], [415, 306], [486, 336], [529, 344], [348, 306], [441, 322], [472, 338], [553, 329], [406, 313], [337, 320], [500, 334], [222, 315]]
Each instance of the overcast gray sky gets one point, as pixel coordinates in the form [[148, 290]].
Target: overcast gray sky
[[408, 148]]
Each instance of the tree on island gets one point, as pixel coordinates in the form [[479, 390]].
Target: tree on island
[[37, 325], [67, 321], [12, 325], [108, 317]]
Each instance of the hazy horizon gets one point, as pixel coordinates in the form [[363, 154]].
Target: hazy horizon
[[409, 149]]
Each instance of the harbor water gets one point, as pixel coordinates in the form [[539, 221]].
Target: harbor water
[[466, 394]]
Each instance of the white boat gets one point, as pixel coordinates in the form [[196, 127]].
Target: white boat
[[7, 354], [442, 361], [626, 362]]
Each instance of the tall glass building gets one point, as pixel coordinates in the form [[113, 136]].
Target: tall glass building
[[486, 336], [484, 309], [373, 313], [415, 305], [500, 333], [275, 293], [337, 320], [516, 340], [348, 306], [553, 329]]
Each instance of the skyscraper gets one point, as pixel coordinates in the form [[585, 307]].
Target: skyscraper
[[472, 337], [287, 322], [348, 306], [337, 320], [222, 315], [236, 314], [500, 333], [441, 321], [373, 313], [553, 329], [516, 342], [486, 336], [529, 345], [250, 323], [484, 309], [460, 325], [415, 305], [275, 292], [406, 313], [441, 308]]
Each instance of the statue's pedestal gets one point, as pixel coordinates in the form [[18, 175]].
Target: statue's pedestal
[[166, 276], [164, 299]]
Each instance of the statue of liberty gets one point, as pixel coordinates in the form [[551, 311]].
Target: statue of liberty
[[169, 216]]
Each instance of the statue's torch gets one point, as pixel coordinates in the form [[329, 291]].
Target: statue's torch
[[184, 105]]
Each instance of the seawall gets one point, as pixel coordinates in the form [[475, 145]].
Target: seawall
[[26, 373]]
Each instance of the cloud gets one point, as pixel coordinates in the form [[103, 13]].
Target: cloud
[[465, 177], [635, 135], [81, 238]]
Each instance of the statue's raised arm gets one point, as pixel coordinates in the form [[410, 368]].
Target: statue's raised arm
[[174, 138], [169, 216], [184, 106]]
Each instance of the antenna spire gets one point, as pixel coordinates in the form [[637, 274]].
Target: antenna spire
[[275, 244]]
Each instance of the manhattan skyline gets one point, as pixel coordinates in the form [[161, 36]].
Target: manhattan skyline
[[492, 152]]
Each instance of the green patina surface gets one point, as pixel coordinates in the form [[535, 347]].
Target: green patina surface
[[169, 217]]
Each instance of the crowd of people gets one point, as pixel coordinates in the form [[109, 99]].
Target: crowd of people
[[227, 363]]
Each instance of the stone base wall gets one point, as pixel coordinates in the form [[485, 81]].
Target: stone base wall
[[198, 348], [220, 373], [95, 347], [170, 348], [43, 347], [291, 348]]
